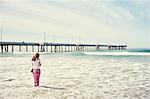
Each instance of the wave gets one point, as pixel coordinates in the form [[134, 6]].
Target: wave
[[118, 53], [139, 50]]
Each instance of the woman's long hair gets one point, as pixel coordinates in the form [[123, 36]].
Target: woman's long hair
[[35, 56]]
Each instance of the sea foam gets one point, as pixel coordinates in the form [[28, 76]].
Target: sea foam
[[117, 53]]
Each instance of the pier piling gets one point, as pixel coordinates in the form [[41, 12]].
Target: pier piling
[[55, 47]]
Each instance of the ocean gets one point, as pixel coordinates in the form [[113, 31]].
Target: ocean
[[78, 75]]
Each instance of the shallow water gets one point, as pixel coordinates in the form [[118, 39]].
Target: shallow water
[[76, 76]]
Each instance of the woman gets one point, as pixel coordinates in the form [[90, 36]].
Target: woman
[[36, 63]]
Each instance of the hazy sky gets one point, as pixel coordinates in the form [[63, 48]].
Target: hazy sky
[[71, 21]]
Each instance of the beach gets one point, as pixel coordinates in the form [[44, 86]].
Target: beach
[[89, 49], [76, 75]]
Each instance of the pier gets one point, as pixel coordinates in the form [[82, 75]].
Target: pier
[[54, 47]]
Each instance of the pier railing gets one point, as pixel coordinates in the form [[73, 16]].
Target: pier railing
[[54, 47]]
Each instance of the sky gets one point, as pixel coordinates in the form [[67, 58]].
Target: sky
[[77, 21]]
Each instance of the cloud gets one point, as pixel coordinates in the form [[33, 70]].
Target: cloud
[[108, 21]]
